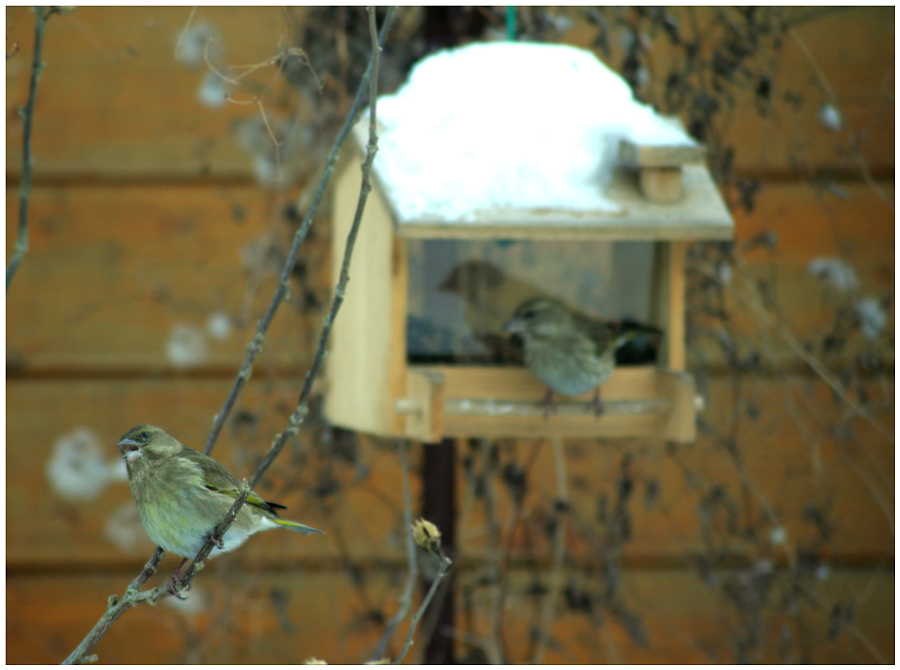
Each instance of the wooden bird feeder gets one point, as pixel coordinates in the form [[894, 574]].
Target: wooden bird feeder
[[380, 379]]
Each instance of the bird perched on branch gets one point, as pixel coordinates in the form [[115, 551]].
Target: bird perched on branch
[[568, 352], [182, 495]]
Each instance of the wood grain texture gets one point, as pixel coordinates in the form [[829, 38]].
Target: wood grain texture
[[359, 505], [115, 103], [231, 616], [505, 402], [663, 156], [142, 221], [856, 228], [686, 622], [364, 361], [786, 467], [853, 47], [287, 617], [102, 289], [113, 272], [699, 215]]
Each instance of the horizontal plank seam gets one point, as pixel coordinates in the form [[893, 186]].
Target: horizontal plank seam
[[99, 180], [77, 374], [134, 181], [835, 560]]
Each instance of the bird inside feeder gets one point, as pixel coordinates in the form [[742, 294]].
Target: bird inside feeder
[[464, 296]]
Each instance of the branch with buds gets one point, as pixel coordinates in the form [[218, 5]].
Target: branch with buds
[[134, 595], [427, 537]]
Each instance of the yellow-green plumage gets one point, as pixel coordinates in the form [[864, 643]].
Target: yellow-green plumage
[[182, 495]]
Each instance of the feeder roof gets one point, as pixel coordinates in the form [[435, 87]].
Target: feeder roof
[[511, 139]]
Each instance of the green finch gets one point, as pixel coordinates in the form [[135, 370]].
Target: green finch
[[182, 495], [568, 352]]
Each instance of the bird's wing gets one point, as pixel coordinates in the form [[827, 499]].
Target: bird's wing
[[252, 499], [598, 331], [216, 478]]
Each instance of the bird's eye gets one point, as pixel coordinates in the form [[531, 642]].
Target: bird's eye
[[144, 436], [530, 314]]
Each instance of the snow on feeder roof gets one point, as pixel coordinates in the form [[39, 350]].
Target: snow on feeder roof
[[502, 139]]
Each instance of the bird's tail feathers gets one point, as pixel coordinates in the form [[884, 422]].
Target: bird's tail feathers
[[293, 525], [624, 338]]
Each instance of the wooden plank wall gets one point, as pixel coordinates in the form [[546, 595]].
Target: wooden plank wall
[[144, 213]]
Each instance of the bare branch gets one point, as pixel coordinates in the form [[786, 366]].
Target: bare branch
[[134, 596], [406, 597], [754, 302], [184, 30], [118, 606], [255, 346], [441, 573], [851, 136], [42, 14]]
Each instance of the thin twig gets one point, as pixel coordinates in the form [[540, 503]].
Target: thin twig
[[519, 502], [756, 305], [42, 14], [134, 596], [559, 551], [255, 346], [181, 35], [825, 603], [441, 573], [118, 606], [851, 137], [301, 409], [406, 597]]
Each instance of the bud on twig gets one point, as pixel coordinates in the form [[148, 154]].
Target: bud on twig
[[427, 536]]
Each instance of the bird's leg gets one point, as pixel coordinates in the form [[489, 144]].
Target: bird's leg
[[175, 583], [598, 403], [548, 404]]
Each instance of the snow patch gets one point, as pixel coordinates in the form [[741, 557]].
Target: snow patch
[[509, 125]]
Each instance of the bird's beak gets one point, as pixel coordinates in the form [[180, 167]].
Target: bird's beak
[[131, 450], [514, 325]]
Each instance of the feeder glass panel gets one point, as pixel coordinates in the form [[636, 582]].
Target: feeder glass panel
[[461, 292]]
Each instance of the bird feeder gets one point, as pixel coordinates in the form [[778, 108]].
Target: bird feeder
[[418, 350]]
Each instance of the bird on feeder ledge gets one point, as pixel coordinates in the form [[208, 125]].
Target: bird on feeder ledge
[[570, 353]]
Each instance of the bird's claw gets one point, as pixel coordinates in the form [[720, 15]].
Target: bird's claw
[[177, 588], [217, 541]]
